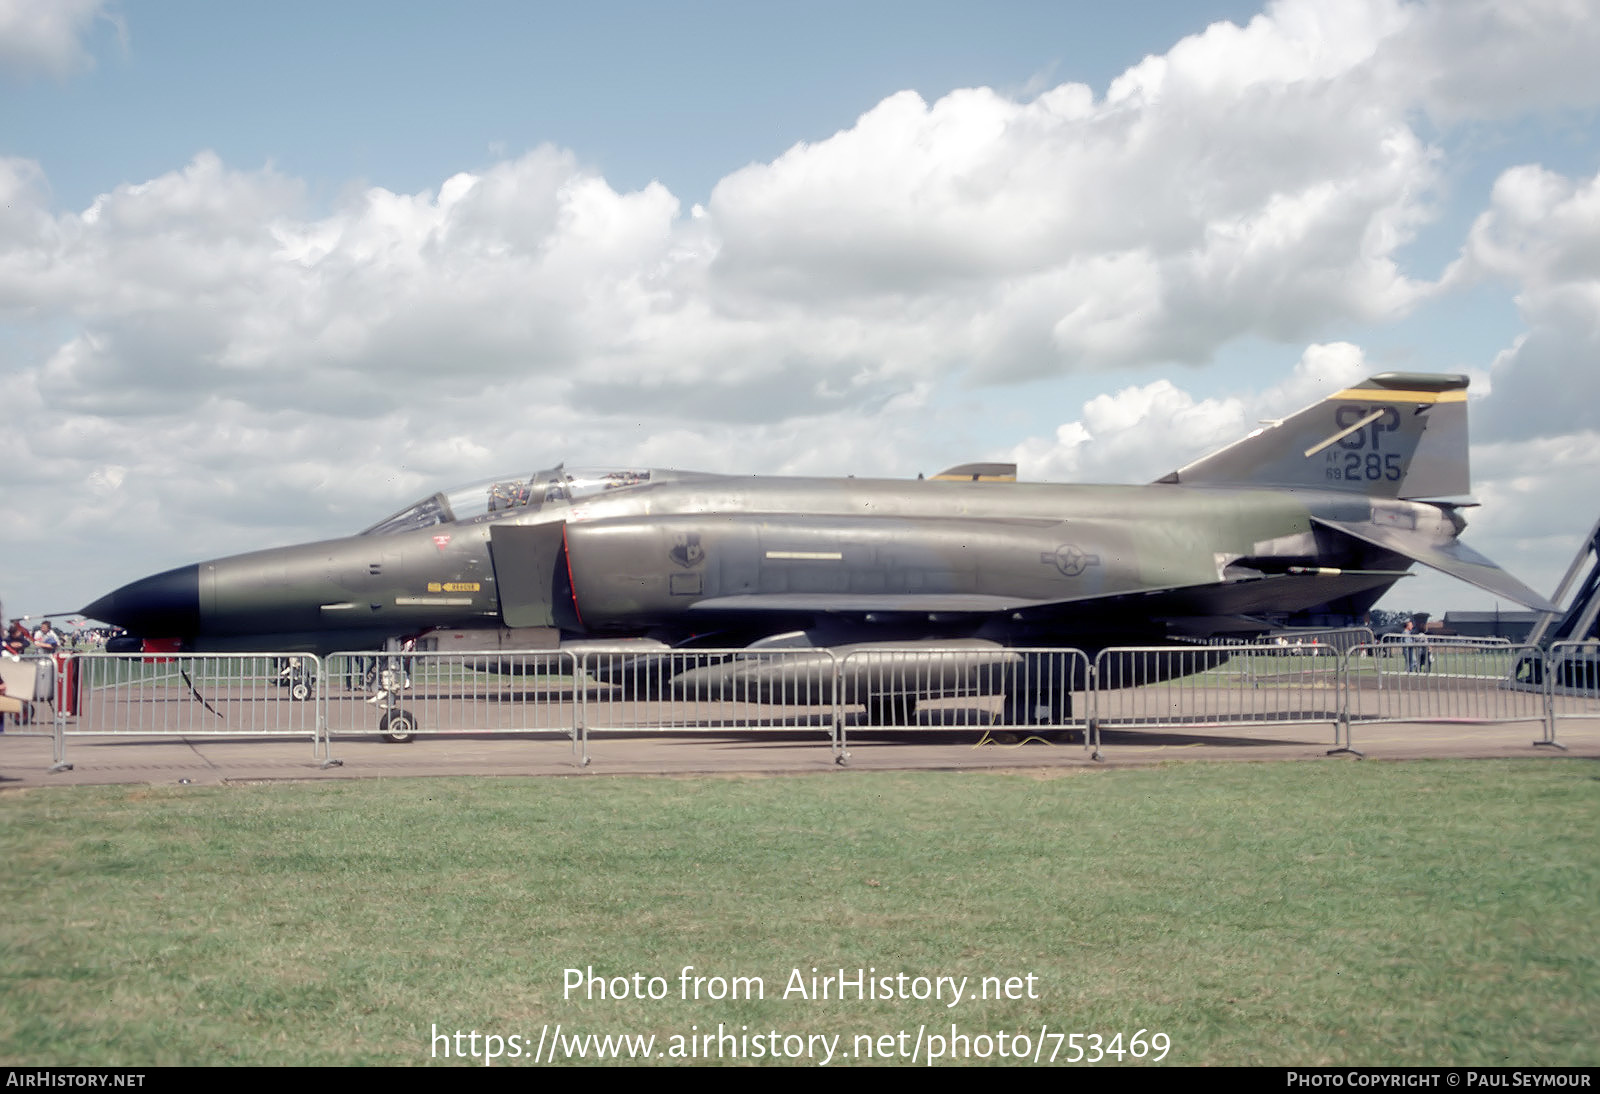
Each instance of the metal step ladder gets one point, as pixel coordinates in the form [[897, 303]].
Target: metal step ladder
[[1577, 623]]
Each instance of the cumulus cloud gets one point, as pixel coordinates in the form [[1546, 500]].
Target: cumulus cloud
[[1248, 183], [1482, 59], [1541, 234], [1254, 181], [45, 37], [1187, 207], [1140, 433]]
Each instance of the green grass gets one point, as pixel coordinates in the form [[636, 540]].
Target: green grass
[[1338, 913]]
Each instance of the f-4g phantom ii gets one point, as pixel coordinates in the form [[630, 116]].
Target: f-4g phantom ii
[[1305, 521]]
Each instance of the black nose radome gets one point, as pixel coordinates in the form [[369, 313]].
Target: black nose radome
[[162, 605]]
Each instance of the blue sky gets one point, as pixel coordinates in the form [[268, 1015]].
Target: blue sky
[[269, 271], [399, 94]]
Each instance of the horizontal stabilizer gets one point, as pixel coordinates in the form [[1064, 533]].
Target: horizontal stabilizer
[[1448, 556]]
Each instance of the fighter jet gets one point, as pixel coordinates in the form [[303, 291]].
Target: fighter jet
[[1306, 521]]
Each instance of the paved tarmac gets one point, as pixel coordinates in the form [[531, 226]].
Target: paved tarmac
[[25, 761]]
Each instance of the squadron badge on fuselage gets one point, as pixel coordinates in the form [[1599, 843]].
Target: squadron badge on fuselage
[[686, 549]]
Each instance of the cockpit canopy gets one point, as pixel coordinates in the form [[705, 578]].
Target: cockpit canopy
[[493, 497]]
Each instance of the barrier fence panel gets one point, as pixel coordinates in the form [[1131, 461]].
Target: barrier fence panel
[[1456, 641], [1571, 674], [196, 695], [1204, 686], [1444, 681], [1321, 640], [398, 695], [709, 689], [1043, 691], [31, 680], [885, 687]]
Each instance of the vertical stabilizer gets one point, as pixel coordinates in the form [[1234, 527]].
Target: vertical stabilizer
[[1396, 435]]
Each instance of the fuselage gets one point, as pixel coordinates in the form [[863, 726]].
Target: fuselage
[[1307, 520], [684, 557]]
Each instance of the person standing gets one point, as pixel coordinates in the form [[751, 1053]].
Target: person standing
[[17, 639], [47, 639]]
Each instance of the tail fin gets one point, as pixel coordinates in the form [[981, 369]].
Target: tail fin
[[1397, 435]]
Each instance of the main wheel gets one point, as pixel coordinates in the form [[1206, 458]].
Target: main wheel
[[398, 727]]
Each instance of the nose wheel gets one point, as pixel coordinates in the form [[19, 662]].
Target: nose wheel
[[398, 727], [299, 680]]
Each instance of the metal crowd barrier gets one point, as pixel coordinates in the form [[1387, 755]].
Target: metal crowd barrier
[[45, 695], [1187, 687], [30, 679], [1571, 680], [1322, 639], [708, 689], [1445, 640], [881, 688], [1442, 681], [1038, 691], [198, 695]]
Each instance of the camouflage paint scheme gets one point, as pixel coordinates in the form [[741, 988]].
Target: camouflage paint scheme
[[1306, 521]]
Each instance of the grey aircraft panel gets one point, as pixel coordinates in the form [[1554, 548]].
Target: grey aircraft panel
[[525, 560]]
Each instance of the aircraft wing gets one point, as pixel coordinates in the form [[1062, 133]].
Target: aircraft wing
[[846, 604], [1226, 605]]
